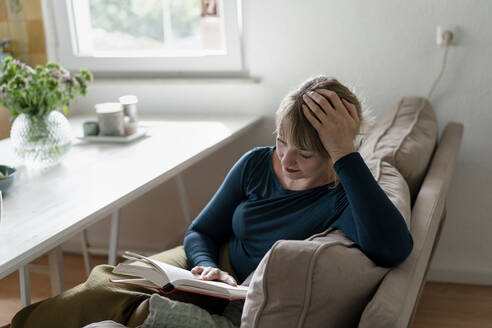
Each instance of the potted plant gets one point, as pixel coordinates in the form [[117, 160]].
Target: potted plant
[[41, 134]]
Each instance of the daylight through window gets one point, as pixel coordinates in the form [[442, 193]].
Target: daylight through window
[[142, 27], [149, 36]]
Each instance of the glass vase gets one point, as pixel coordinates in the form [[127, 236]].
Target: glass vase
[[41, 141]]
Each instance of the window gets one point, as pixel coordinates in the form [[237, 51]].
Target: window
[[149, 36]]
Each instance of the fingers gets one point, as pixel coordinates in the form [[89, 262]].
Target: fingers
[[351, 109], [210, 273], [205, 272], [197, 270], [334, 99], [311, 117], [315, 100], [318, 113], [323, 99], [228, 279], [231, 282]]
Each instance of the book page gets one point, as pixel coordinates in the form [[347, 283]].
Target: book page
[[139, 269], [218, 287], [170, 272], [174, 273], [227, 294], [136, 281]]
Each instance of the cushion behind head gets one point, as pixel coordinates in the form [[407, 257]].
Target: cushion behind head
[[405, 137]]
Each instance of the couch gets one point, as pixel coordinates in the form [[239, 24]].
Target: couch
[[333, 284]]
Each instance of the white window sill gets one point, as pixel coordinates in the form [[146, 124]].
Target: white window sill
[[220, 77]]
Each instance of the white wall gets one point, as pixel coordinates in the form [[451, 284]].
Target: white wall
[[385, 49]]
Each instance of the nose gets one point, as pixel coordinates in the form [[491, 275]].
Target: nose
[[289, 159]]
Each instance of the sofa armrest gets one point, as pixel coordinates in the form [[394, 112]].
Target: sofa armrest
[[325, 281], [393, 305]]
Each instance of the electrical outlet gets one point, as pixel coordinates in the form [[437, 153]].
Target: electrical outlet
[[440, 34]]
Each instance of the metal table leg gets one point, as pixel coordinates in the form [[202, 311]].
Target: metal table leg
[[183, 196], [85, 252], [113, 237], [57, 276], [54, 269], [25, 285]]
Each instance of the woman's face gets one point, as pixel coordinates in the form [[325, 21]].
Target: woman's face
[[297, 163]]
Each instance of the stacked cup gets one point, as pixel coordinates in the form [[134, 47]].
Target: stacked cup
[[129, 103], [111, 119], [114, 118]]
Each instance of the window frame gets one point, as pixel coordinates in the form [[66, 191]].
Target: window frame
[[231, 62]]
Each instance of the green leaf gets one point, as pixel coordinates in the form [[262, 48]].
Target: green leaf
[[40, 90]]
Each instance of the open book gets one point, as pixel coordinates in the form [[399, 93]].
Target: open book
[[167, 278]]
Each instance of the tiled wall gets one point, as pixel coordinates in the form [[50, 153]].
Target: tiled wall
[[30, 30]]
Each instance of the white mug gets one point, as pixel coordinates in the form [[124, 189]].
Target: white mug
[[111, 119]]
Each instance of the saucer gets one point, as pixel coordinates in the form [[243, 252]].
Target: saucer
[[116, 139]]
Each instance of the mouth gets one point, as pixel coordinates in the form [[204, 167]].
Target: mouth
[[290, 170]]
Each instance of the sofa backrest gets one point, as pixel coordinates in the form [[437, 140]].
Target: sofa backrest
[[404, 137], [393, 304], [325, 280]]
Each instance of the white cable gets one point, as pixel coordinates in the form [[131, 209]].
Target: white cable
[[447, 40]]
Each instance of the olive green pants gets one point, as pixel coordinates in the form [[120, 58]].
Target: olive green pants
[[97, 299]]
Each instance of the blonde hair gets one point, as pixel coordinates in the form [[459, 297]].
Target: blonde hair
[[293, 126]]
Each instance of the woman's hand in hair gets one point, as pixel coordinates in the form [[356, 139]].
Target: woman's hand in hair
[[335, 120], [210, 273]]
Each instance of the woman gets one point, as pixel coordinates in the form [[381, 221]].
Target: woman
[[312, 179], [293, 190]]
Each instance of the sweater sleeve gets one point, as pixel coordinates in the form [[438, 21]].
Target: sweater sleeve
[[213, 226], [371, 220]]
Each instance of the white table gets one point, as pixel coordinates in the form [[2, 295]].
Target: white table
[[45, 208]]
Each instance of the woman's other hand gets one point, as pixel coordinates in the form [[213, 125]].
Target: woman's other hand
[[336, 121], [210, 273]]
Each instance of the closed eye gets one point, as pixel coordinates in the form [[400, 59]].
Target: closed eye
[[306, 156]]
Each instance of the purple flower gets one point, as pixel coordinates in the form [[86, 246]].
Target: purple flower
[[18, 63], [56, 74], [69, 80]]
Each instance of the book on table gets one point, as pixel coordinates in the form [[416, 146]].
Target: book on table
[[167, 278]]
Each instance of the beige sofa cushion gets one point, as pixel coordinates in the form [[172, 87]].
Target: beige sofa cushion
[[404, 137], [325, 281], [396, 297], [393, 184]]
